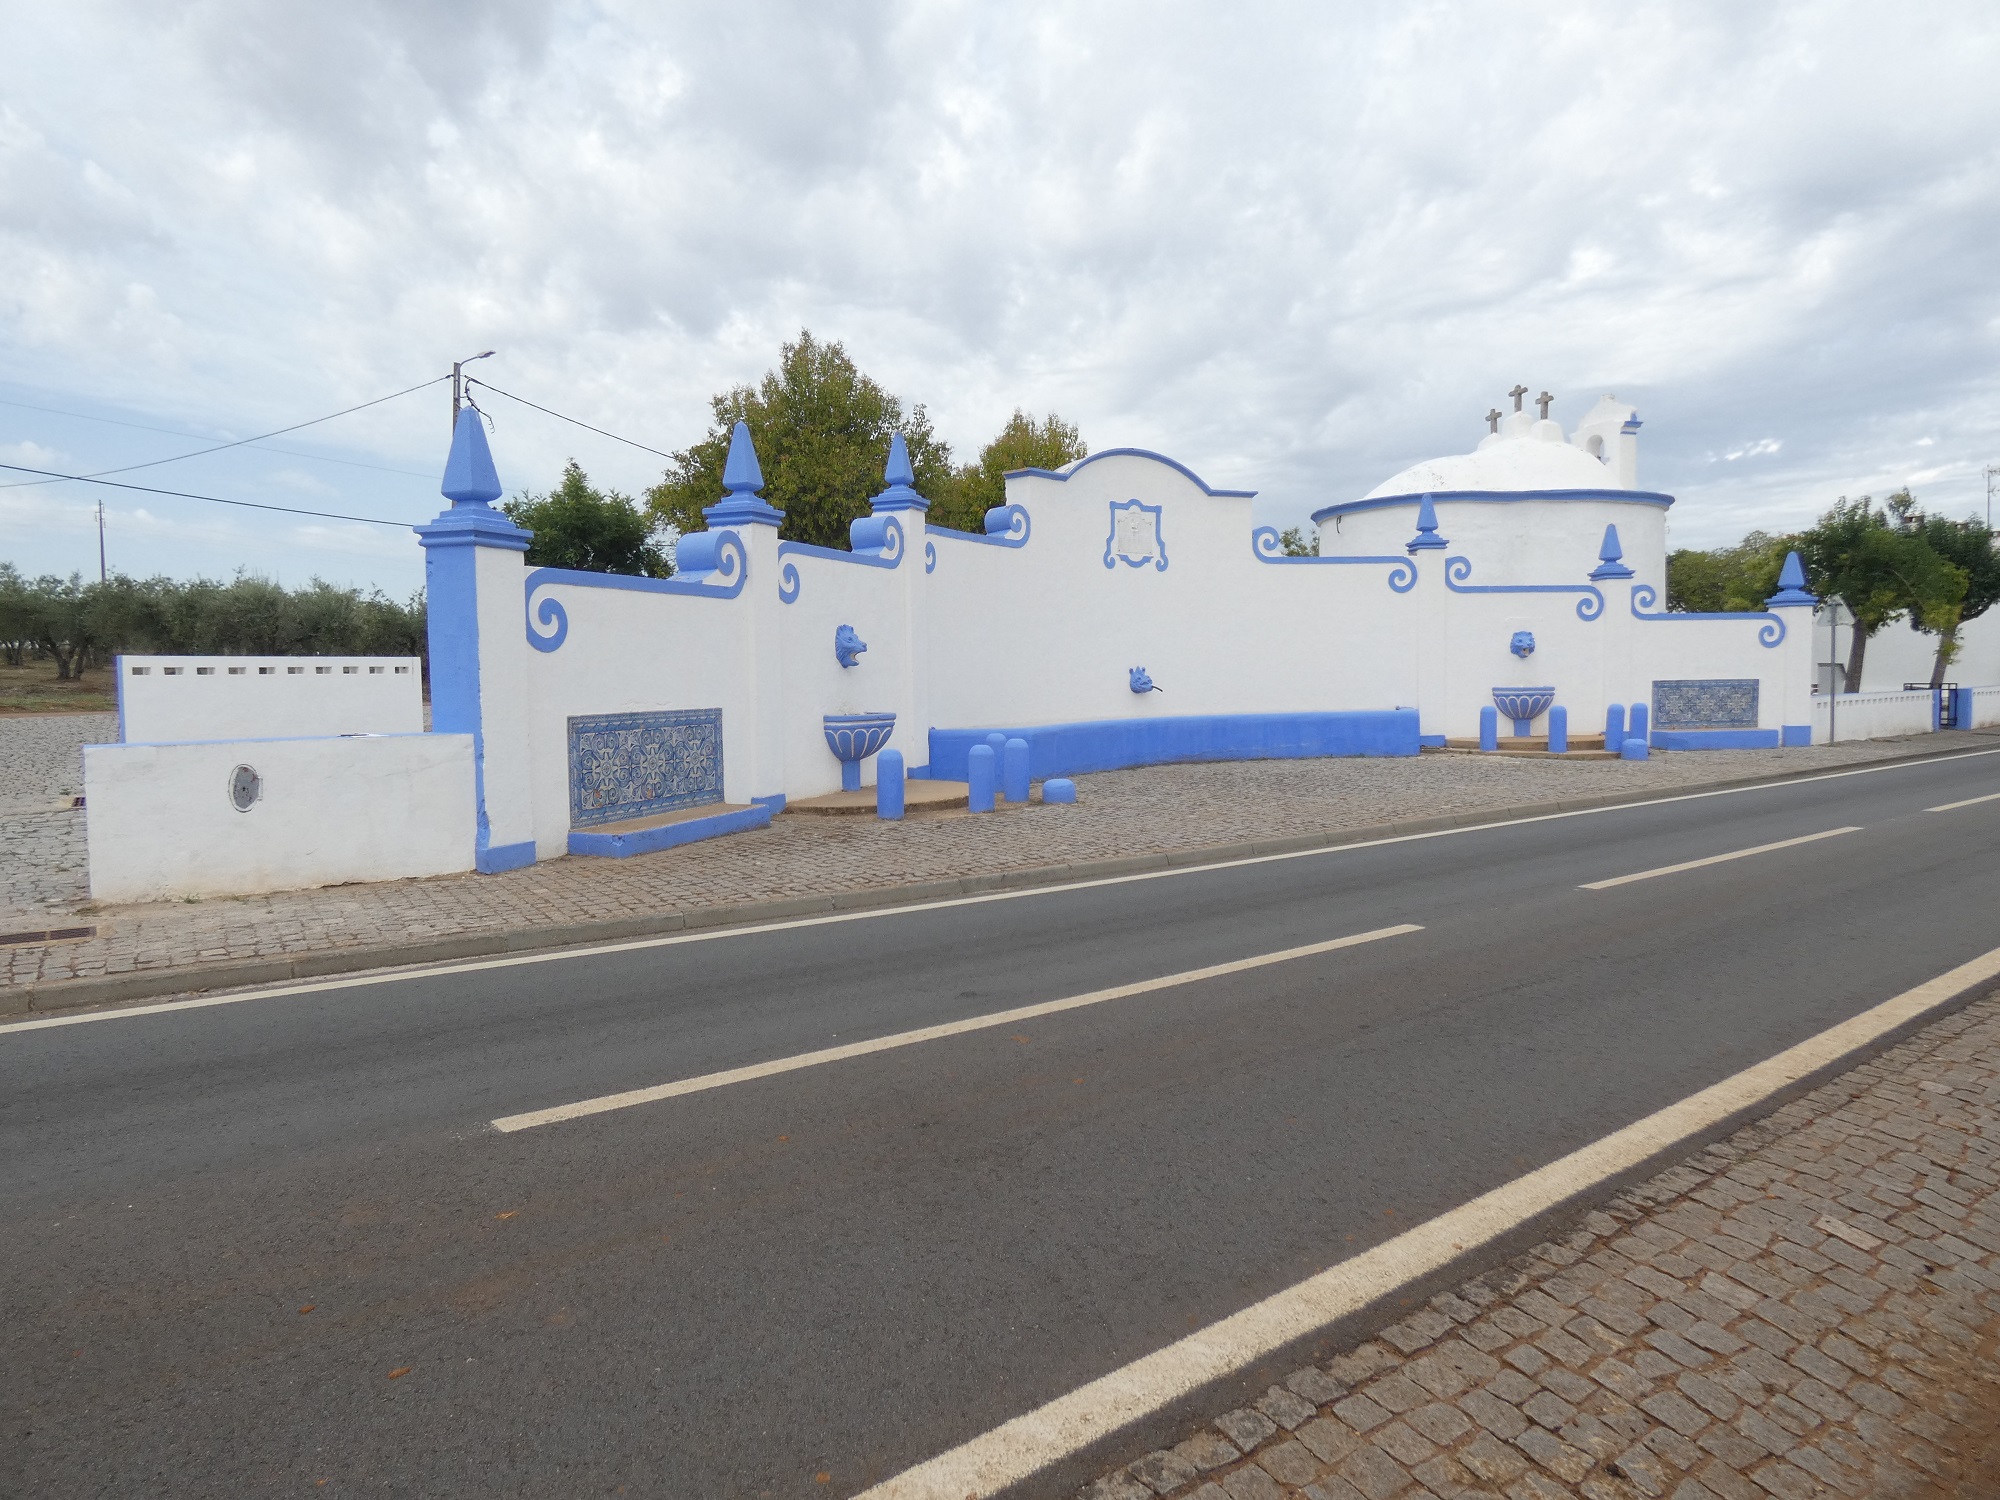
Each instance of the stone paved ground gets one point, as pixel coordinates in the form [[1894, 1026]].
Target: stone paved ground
[[1807, 1308], [1152, 810]]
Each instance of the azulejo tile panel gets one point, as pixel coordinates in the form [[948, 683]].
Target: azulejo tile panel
[[631, 765], [1705, 703]]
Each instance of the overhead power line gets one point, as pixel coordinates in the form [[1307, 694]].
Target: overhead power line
[[290, 510], [219, 447], [574, 422], [324, 458]]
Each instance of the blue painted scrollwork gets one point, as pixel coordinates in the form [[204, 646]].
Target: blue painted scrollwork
[[1644, 596], [704, 555], [878, 543], [1458, 569], [1267, 546], [1006, 526], [930, 557]]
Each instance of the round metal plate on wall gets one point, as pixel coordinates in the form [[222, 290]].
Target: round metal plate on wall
[[246, 787]]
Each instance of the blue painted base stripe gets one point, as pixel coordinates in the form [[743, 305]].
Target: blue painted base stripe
[[1715, 739], [1431, 741], [1109, 744], [503, 857], [670, 835], [1794, 735]]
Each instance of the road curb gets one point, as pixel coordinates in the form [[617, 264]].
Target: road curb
[[114, 989]]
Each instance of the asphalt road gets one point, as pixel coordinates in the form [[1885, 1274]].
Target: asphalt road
[[798, 1285]]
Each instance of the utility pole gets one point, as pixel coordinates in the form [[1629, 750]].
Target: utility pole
[[458, 385], [1992, 473], [102, 575]]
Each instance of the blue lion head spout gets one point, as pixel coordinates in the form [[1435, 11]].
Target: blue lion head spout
[[1523, 643], [847, 646], [1141, 683]]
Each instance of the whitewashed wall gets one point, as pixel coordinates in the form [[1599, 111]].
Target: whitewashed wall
[[167, 698], [1872, 716], [161, 825], [1985, 707], [1901, 653]]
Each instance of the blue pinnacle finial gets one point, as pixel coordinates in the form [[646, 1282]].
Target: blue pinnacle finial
[[1792, 584], [1426, 538], [469, 475], [1609, 555], [900, 478], [741, 474]]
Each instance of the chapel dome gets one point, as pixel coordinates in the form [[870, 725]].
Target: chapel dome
[[1508, 463]]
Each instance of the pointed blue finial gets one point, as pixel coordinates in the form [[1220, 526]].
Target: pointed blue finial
[[1426, 538], [900, 478], [742, 477], [469, 475], [1791, 584], [1609, 555]]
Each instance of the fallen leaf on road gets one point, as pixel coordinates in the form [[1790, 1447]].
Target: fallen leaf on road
[[784, 1138], [307, 1308], [507, 1215], [400, 1371], [1018, 1039], [822, 1477]]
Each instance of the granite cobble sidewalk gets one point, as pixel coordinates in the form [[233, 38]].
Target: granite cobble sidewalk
[[1807, 1308], [1159, 810]]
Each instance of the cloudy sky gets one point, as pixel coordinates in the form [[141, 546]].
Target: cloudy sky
[[1297, 246]]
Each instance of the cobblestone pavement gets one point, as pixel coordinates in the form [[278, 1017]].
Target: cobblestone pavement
[[42, 865], [1807, 1308], [1150, 810]]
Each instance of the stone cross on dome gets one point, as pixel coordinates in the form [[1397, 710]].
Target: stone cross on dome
[[1543, 401], [1517, 393], [1493, 419]]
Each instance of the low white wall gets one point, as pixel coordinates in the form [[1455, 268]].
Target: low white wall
[[161, 823], [1872, 716], [163, 699], [1985, 708]]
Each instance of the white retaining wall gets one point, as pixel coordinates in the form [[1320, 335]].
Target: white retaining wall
[[167, 698], [1872, 716], [1985, 707], [161, 823]]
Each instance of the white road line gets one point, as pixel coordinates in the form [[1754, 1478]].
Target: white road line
[[1031, 1442], [706, 1081], [873, 914], [1968, 802], [1714, 859]]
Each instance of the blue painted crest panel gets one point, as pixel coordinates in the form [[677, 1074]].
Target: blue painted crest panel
[[1705, 703], [633, 765]]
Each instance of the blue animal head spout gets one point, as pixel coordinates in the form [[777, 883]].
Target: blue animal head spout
[[1523, 644], [847, 646], [1141, 683]]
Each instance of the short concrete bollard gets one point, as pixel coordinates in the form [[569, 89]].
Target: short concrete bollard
[[1636, 723], [979, 778], [1014, 770], [1559, 730], [1633, 749], [1489, 728], [1058, 789], [889, 785], [1614, 726]]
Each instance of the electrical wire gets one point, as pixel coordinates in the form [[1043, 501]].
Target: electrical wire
[[290, 510], [219, 447], [630, 442], [324, 458]]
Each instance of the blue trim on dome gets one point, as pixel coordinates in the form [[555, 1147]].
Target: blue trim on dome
[[1160, 458], [1497, 497]]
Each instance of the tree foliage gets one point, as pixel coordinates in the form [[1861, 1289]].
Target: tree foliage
[[597, 531], [1295, 543], [1968, 547], [1877, 563], [822, 431], [1727, 579], [1023, 443]]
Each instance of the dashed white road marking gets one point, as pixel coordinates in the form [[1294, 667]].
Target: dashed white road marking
[[706, 1081], [1713, 859], [1029, 1443], [1968, 802]]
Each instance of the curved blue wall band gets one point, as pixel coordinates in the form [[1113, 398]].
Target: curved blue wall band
[[1498, 497], [1267, 546], [1008, 526], [930, 556], [1110, 744], [1769, 633], [1458, 569], [1159, 458], [886, 532], [732, 562]]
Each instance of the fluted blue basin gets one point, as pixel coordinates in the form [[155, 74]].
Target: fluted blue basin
[[855, 737], [1523, 705]]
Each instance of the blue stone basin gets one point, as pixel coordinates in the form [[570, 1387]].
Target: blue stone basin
[[1523, 705], [853, 738]]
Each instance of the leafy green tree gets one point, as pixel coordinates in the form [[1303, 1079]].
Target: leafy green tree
[[1295, 543], [822, 431], [1023, 443], [596, 531], [1968, 547], [1881, 568], [1727, 579], [17, 615]]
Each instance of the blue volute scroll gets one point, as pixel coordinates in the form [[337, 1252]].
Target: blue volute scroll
[[1268, 547]]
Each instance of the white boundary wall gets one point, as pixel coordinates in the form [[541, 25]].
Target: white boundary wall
[[164, 699], [161, 823], [1873, 716], [1985, 708]]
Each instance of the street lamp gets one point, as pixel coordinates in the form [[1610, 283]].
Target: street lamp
[[458, 385]]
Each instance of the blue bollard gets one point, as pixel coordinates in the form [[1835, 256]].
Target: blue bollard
[[1633, 749], [1058, 789], [1014, 770], [1489, 728], [1559, 730], [979, 778], [1635, 724], [1614, 726], [889, 785]]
